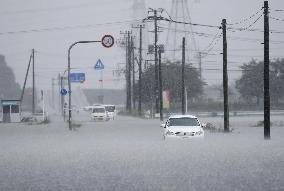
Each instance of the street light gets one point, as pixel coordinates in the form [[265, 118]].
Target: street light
[[107, 41]]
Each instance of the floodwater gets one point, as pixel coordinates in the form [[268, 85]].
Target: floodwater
[[129, 154]]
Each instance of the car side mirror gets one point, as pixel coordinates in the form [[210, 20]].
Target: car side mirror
[[163, 125], [203, 125]]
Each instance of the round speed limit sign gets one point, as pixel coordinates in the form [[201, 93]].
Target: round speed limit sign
[[107, 41]]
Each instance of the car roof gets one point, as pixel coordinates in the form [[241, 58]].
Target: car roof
[[95, 107], [182, 116]]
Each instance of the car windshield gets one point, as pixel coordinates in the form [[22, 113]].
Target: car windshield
[[98, 110], [110, 108], [185, 121]]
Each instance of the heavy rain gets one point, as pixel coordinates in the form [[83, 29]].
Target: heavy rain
[[142, 95]]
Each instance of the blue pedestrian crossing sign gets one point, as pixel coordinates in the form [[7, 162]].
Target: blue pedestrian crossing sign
[[63, 91], [99, 65]]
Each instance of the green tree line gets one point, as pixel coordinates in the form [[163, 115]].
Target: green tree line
[[250, 84]]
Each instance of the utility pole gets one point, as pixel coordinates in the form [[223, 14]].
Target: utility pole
[[133, 72], [127, 69], [27, 72], [129, 72], [182, 78], [160, 86], [225, 78], [155, 18], [140, 70], [33, 61], [156, 61], [266, 74]]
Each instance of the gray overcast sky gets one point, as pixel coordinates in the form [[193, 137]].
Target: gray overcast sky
[[111, 17]]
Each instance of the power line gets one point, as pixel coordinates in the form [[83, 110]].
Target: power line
[[59, 8], [277, 19], [246, 28], [255, 30], [254, 39], [181, 22], [212, 41], [233, 29], [202, 34], [277, 10], [67, 27], [213, 45], [193, 24], [246, 19], [207, 35]]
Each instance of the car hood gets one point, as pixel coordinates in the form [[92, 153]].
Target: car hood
[[184, 129]]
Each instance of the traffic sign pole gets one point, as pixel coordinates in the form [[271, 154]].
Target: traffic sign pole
[[107, 41]]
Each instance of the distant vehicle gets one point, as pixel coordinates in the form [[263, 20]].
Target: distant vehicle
[[111, 111], [97, 104], [182, 127], [99, 113], [90, 107]]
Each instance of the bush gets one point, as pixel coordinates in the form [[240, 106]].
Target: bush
[[213, 129]]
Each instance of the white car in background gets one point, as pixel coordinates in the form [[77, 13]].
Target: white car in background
[[99, 113], [182, 127], [111, 111]]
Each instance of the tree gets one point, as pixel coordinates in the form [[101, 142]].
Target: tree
[[171, 74], [250, 85], [277, 79], [9, 89]]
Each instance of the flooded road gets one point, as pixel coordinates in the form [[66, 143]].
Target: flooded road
[[129, 154]]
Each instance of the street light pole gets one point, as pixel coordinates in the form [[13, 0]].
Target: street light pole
[[107, 41], [69, 82]]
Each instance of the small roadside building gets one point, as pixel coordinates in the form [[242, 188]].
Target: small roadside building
[[11, 111]]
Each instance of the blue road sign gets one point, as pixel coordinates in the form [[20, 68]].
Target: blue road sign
[[99, 65], [77, 77], [63, 91]]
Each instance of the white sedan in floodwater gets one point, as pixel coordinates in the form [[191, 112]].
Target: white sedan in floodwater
[[182, 127]]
